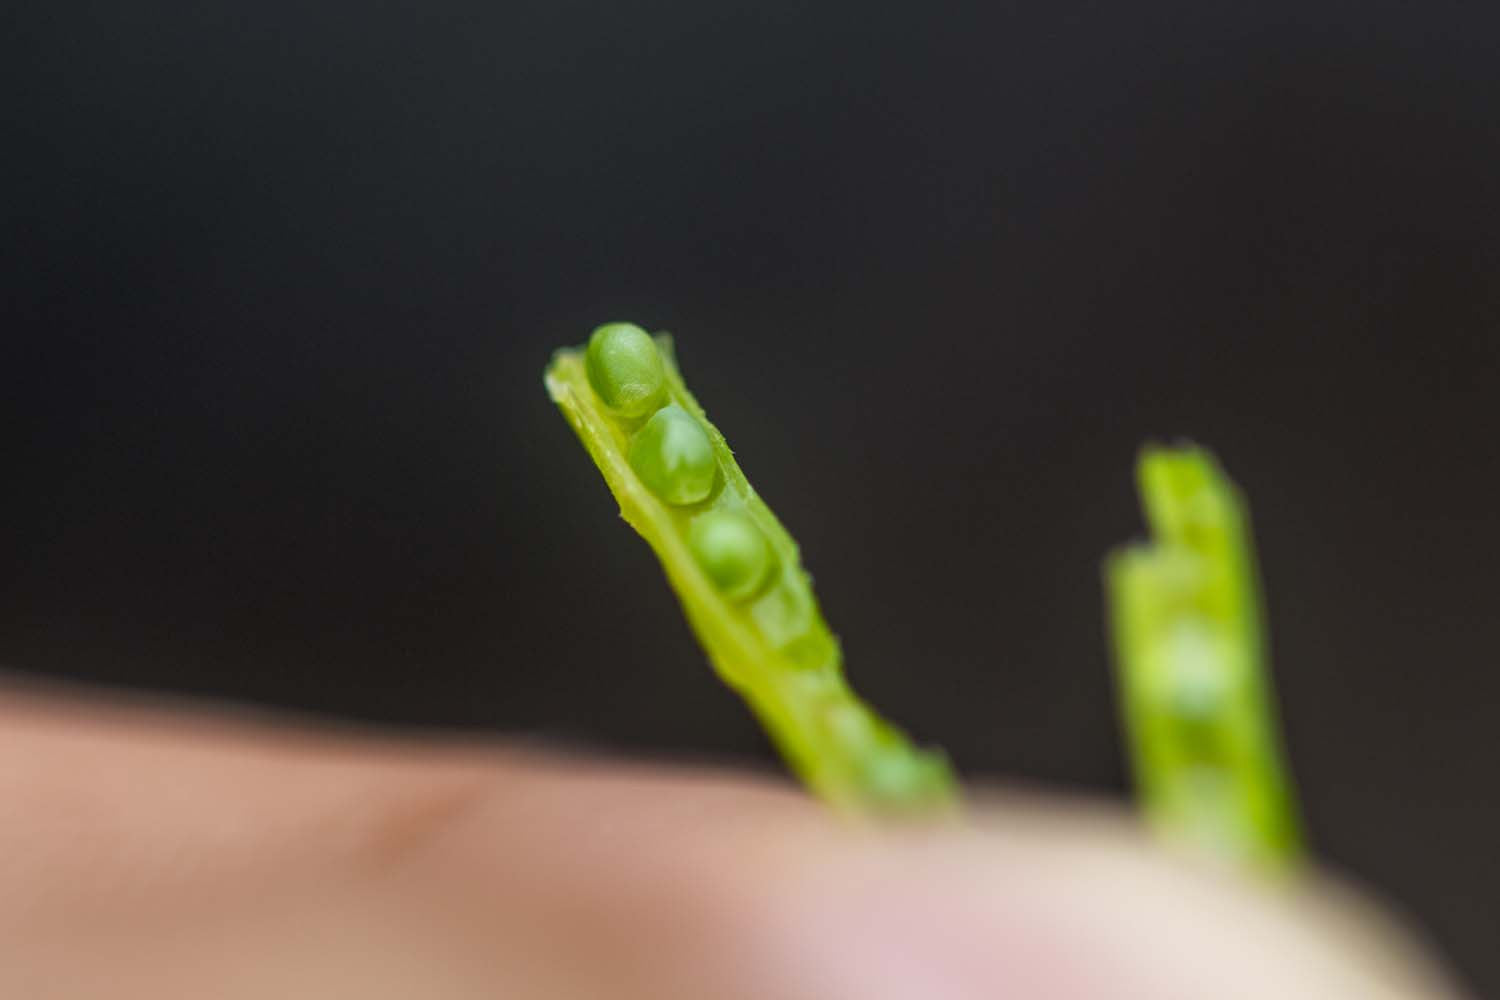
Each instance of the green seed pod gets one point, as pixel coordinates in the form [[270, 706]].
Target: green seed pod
[[672, 455], [1191, 666], [678, 484], [732, 551], [625, 369]]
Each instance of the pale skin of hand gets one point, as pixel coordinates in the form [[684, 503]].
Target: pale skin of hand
[[156, 853]]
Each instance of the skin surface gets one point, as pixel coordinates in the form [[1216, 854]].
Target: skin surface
[[156, 853]]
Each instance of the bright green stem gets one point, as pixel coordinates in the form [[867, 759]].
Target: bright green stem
[[1191, 666], [756, 617]]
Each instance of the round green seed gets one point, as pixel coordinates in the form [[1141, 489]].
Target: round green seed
[[901, 778], [1200, 670], [732, 551], [625, 369], [672, 456]]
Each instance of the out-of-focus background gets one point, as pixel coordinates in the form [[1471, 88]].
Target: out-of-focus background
[[279, 281]]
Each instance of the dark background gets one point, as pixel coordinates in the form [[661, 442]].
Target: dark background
[[280, 280]]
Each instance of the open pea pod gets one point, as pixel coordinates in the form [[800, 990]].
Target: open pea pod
[[1194, 681], [736, 572]]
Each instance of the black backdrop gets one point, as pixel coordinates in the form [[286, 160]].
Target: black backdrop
[[280, 279]]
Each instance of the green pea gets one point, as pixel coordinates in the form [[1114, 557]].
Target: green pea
[[732, 551], [673, 457], [898, 780], [1199, 673], [625, 369]]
